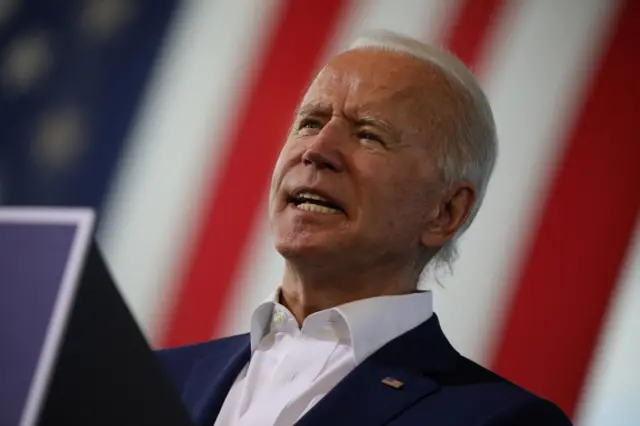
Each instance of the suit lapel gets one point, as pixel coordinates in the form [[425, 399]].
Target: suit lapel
[[209, 384], [363, 398]]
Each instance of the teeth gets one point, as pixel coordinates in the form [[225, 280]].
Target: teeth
[[311, 196], [316, 208]]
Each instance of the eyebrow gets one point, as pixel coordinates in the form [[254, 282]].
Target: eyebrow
[[313, 109], [369, 120], [319, 109]]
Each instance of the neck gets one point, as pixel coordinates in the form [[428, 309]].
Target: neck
[[308, 290]]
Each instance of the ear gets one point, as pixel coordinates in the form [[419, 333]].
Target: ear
[[453, 211]]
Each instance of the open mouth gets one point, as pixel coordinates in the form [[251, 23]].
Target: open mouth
[[311, 202]]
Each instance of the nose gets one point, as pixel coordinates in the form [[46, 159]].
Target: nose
[[323, 152]]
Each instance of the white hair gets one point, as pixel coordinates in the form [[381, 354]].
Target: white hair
[[471, 151]]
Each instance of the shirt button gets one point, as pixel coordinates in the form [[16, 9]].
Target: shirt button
[[279, 317]]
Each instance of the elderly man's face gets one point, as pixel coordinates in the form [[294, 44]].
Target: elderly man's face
[[356, 179]]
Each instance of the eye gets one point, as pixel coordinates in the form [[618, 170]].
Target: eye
[[309, 123], [368, 136]]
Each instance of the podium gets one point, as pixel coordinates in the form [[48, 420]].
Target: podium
[[70, 350]]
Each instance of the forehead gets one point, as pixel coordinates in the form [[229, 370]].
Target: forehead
[[380, 82]]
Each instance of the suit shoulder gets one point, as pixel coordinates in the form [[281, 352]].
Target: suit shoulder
[[178, 361], [533, 412], [469, 373], [500, 399]]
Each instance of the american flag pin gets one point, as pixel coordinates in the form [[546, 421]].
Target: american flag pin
[[394, 383]]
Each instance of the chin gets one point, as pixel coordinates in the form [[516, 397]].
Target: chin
[[305, 246], [308, 237]]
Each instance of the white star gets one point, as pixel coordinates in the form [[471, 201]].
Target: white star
[[101, 19], [25, 61], [59, 139]]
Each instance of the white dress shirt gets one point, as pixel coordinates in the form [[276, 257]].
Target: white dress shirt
[[292, 368]]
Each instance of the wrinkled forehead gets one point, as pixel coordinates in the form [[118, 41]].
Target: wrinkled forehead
[[401, 87]]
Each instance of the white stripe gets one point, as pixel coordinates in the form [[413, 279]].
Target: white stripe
[[535, 79], [422, 19], [176, 147], [263, 266], [613, 388]]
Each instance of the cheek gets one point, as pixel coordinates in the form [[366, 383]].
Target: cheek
[[383, 181], [276, 181], [397, 196], [289, 156], [280, 166]]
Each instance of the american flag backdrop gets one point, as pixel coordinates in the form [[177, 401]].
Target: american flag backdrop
[[167, 116]]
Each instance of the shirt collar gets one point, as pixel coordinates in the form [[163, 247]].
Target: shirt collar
[[371, 323]]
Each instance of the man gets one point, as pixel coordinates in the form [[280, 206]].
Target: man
[[386, 163]]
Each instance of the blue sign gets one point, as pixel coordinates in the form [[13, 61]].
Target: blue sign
[[41, 255]]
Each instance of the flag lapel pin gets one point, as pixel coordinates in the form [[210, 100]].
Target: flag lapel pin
[[394, 383]]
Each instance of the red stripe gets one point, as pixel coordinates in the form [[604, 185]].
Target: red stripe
[[468, 35], [294, 51], [573, 265]]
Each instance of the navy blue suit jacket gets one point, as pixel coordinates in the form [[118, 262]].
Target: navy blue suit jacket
[[440, 386]]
